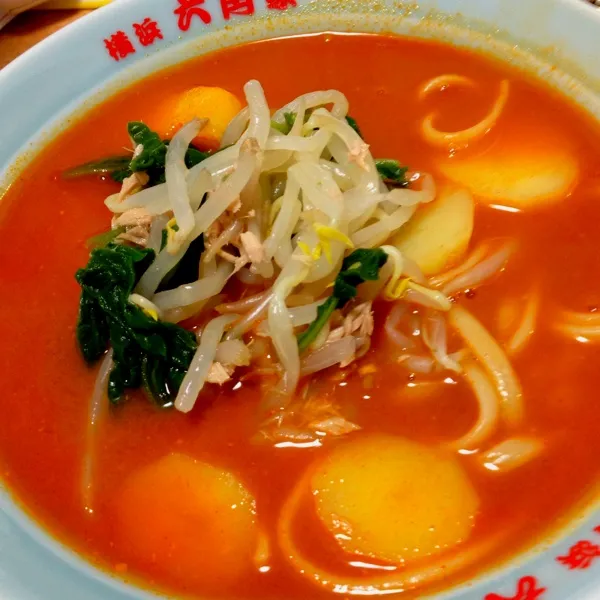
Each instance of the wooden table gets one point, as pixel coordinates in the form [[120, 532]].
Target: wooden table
[[29, 28]]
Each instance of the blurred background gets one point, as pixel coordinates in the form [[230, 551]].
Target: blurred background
[[23, 23]]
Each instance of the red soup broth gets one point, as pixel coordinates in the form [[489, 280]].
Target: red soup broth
[[46, 385]]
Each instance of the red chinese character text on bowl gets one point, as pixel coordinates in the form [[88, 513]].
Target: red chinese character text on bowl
[[147, 31], [243, 8], [281, 4], [527, 589], [187, 10], [118, 45]]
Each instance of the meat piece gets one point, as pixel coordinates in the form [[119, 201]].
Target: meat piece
[[219, 373], [136, 235], [359, 320], [252, 247], [357, 153], [132, 184], [134, 217], [305, 421], [137, 224]]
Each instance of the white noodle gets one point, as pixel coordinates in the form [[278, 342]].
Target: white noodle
[[436, 339], [236, 128], [198, 186], [154, 200], [280, 324], [145, 304], [489, 407], [481, 272], [217, 164], [160, 267], [299, 315], [340, 175], [408, 197], [313, 99], [251, 318], [260, 117], [177, 189], [511, 454], [219, 200], [333, 353], [297, 143], [416, 363], [192, 293], [391, 324], [156, 233], [224, 238], [377, 233], [242, 305], [319, 189], [285, 222], [97, 401], [419, 294], [526, 327], [194, 379], [495, 361], [475, 257]]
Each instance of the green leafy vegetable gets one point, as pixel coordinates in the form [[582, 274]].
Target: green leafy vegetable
[[193, 157], [392, 172], [154, 152], [103, 239], [106, 166], [286, 126], [186, 270], [151, 159], [92, 329], [324, 312], [146, 352], [352, 122], [290, 119], [361, 265], [281, 127]]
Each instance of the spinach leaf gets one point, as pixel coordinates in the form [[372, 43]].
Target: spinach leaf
[[352, 122], [122, 174], [324, 312], [286, 126], [92, 329], [193, 157], [146, 352], [154, 152], [105, 166], [281, 127], [290, 119], [186, 270], [392, 172], [361, 265], [151, 160], [103, 239]]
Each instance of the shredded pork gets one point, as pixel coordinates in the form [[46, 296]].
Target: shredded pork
[[137, 224], [132, 184]]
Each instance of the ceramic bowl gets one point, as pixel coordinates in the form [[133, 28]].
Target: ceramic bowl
[[558, 40]]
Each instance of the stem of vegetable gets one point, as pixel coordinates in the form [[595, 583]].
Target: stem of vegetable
[[324, 312]]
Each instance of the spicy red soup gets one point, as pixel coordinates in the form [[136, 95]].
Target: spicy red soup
[[439, 416]]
